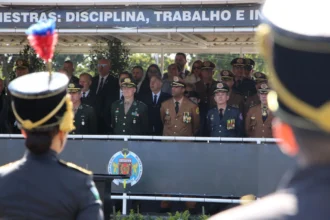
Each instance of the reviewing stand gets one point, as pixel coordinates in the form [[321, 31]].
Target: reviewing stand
[[105, 181]]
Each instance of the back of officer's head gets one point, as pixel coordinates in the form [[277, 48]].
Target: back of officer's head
[[296, 49], [43, 110]]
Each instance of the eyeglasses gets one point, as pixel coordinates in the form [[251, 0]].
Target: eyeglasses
[[102, 65]]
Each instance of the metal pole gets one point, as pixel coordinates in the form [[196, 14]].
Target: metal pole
[[162, 60], [124, 203]]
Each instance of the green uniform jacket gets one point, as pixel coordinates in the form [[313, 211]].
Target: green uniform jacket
[[85, 120], [135, 122]]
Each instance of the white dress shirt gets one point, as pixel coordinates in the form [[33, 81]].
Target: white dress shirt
[[153, 95]]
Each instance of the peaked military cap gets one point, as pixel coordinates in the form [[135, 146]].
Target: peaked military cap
[[177, 82], [21, 64], [249, 62], [40, 101], [227, 75], [221, 87], [207, 65], [260, 77], [127, 82], [264, 88], [296, 47], [237, 62], [74, 87]]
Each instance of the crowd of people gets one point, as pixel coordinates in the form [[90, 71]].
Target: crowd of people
[[176, 103]]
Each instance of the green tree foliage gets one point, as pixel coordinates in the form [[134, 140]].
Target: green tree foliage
[[145, 60], [80, 61], [115, 51]]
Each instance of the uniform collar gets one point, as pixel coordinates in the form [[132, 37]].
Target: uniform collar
[[50, 154]]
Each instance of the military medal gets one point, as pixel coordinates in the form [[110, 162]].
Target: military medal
[[134, 121], [116, 119], [212, 117], [83, 122]]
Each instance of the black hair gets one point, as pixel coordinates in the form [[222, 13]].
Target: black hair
[[39, 142], [181, 54], [138, 67], [124, 73], [173, 64], [155, 66]]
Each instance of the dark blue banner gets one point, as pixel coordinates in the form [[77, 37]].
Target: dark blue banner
[[143, 17]]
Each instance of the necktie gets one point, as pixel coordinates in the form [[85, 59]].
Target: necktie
[[155, 100], [84, 93], [176, 107], [221, 113], [264, 113], [101, 85]]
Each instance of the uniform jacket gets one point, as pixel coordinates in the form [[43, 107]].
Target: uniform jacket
[[236, 100], [231, 125], [135, 122], [254, 125], [74, 79], [85, 120], [185, 123], [43, 187], [155, 122], [205, 96], [247, 87], [90, 99], [250, 102], [304, 196]]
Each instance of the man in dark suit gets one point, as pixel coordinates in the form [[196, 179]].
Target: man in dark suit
[[87, 98], [154, 100], [296, 48], [104, 86], [142, 81]]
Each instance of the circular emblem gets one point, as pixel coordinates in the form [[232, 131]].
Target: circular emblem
[[225, 73], [176, 79], [264, 86], [258, 75], [219, 85], [71, 85], [127, 163], [127, 80], [240, 61]]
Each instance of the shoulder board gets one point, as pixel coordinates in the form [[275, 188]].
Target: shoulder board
[[9, 164], [233, 106], [75, 167], [253, 105]]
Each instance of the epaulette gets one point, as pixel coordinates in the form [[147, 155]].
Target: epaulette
[[9, 164], [253, 104], [233, 106], [75, 167]]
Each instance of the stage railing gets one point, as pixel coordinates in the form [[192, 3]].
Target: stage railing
[[159, 138]]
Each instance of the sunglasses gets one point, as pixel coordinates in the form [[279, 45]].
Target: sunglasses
[[102, 65]]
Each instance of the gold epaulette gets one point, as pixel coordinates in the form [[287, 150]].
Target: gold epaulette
[[75, 167], [9, 164]]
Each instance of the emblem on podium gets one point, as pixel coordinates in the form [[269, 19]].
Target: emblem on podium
[[127, 163]]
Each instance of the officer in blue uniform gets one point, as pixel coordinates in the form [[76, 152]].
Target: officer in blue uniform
[[296, 47], [224, 120], [40, 185]]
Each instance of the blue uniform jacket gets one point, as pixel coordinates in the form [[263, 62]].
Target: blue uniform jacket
[[231, 124]]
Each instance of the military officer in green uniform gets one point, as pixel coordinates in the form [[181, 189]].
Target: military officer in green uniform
[[129, 116], [85, 118]]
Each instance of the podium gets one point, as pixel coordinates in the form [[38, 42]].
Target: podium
[[104, 181]]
